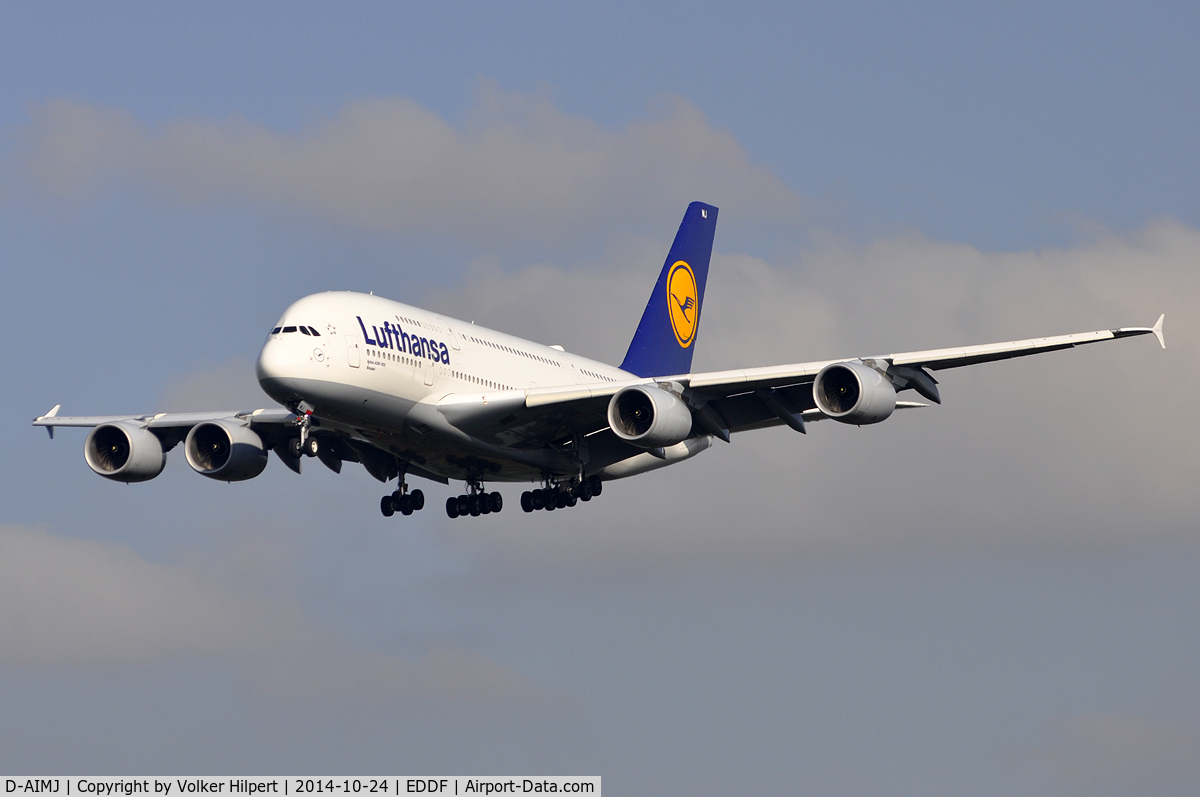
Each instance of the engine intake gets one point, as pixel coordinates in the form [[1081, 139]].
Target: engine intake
[[649, 417], [124, 452], [226, 451], [853, 393]]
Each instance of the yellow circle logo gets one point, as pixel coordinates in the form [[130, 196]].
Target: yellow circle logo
[[683, 302]]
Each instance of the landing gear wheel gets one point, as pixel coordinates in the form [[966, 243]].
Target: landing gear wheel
[[404, 505], [452, 507], [526, 502], [536, 500], [585, 490], [474, 507], [464, 504], [418, 500], [293, 448], [571, 499], [385, 506], [311, 446], [549, 500], [560, 499], [597, 485], [495, 502]]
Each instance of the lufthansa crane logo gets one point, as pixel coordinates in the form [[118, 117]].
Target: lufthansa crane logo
[[683, 302]]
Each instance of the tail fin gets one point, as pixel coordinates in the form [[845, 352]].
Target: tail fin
[[665, 337]]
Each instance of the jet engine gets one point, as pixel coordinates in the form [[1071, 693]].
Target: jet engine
[[226, 451], [853, 393], [649, 417], [124, 452]]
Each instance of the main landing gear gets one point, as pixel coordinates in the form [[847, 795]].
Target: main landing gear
[[560, 496], [474, 503], [403, 501]]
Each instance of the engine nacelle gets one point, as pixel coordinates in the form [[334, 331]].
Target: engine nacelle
[[853, 393], [649, 417], [226, 451], [124, 452]]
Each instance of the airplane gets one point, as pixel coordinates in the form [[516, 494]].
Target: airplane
[[408, 392]]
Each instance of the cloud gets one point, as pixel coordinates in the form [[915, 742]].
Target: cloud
[[67, 602], [230, 385], [1073, 451], [1115, 754], [521, 169]]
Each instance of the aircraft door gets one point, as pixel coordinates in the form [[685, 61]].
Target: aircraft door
[[429, 369], [352, 354]]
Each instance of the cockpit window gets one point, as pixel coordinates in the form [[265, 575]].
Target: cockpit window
[[275, 331], [314, 332], [288, 329], [305, 330]]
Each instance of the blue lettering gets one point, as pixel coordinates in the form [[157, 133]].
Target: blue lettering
[[405, 341], [445, 354], [366, 337]]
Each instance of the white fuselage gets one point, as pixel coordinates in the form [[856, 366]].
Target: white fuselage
[[372, 360]]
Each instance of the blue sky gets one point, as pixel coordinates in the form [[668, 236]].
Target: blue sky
[[989, 597]]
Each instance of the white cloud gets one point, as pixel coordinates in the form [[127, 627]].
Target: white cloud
[[521, 170], [1083, 450], [68, 602]]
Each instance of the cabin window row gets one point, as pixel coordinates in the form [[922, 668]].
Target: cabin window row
[[511, 350], [481, 382]]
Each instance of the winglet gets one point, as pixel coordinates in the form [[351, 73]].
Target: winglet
[[51, 414], [1157, 329]]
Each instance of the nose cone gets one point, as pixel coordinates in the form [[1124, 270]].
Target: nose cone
[[275, 371]]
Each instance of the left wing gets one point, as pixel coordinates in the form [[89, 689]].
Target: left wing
[[732, 401]]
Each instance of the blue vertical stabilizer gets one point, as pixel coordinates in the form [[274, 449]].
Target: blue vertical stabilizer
[[666, 335]]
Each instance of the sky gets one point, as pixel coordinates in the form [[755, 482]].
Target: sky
[[992, 596]]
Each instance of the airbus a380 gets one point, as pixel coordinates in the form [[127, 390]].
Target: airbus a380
[[406, 392]]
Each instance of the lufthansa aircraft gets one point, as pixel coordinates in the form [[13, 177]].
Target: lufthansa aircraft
[[407, 392]]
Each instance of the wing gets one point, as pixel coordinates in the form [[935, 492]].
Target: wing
[[276, 427], [732, 401]]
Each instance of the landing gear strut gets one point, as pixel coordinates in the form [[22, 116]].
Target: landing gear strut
[[475, 502], [403, 500], [560, 496]]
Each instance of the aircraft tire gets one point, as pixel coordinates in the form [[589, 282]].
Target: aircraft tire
[[535, 499], [418, 500], [560, 499], [548, 500], [452, 507], [526, 502], [495, 502], [571, 499], [584, 490], [597, 485], [311, 446], [293, 448], [474, 509], [464, 504], [404, 505], [385, 506]]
